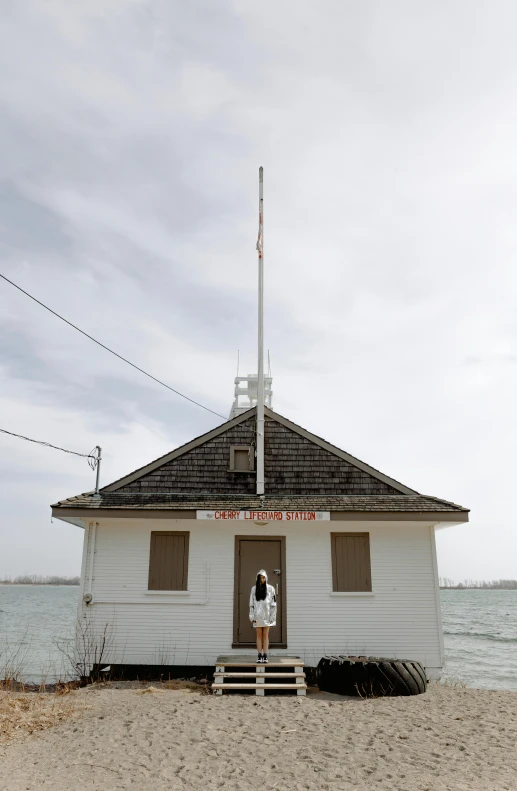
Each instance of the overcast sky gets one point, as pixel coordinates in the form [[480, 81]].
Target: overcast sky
[[131, 132]]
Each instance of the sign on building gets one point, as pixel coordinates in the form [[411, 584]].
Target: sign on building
[[266, 516]]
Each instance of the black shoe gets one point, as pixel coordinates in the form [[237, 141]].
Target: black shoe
[[265, 659], [260, 660]]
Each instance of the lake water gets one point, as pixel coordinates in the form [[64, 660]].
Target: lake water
[[480, 632], [33, 618]]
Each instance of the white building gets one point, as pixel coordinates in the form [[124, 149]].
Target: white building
[[171, 552]]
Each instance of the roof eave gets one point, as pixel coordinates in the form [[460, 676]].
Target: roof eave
[[78, 518], [437, 518]]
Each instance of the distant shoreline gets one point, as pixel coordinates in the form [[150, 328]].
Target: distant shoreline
[[39, 584], [502, 584], [472, 588]]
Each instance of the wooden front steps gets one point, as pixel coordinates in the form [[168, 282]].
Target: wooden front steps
[[258, 673], [252, 675]]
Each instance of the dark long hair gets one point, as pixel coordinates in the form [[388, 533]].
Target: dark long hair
[[260, 589]]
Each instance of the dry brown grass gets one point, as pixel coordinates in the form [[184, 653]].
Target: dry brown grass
[[29, 712], [179, 683], [452, 681]]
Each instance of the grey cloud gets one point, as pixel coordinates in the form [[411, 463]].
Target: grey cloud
[[28, 228], [111, 402]]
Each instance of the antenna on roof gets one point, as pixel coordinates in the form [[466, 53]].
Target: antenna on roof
[[97, 477], [260, 383]]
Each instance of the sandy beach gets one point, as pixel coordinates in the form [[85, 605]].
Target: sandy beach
[[117, 738]]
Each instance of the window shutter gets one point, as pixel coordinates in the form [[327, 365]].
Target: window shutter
[[241, 460], [351, 571], [168, 561]]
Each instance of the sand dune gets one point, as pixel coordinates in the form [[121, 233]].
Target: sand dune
[[454, 739]]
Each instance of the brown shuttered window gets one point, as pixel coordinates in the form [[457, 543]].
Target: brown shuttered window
[[168, 561], [351, 562], [241, 458]]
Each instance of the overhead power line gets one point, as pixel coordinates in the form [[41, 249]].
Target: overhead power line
[[102, 345], [49, 445]]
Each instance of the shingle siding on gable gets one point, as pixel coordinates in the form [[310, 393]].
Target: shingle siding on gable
[[203, 469], [293, 465]]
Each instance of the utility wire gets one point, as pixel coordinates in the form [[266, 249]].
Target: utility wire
[[111, 350], [49, 445]]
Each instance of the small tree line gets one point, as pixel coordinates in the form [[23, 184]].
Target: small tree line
[[446, 582], [37, 579]]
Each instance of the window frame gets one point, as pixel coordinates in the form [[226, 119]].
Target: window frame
[[251, 458], [186, 535], [333, 556]]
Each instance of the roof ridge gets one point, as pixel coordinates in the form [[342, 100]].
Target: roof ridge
[[272, 496]]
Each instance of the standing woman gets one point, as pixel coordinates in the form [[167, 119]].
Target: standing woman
[[262, 612]]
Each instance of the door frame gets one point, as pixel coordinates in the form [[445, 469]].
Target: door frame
[[236, 585]]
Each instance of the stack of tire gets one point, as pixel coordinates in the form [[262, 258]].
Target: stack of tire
[[370, 677]]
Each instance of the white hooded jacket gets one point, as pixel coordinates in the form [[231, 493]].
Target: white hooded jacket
[[263, 612]]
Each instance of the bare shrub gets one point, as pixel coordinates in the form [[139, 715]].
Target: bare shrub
[[374, 689], [452, 681], [13, 660], [86, 655]]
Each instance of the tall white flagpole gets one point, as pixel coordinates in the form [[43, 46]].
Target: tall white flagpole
[[260, 384]]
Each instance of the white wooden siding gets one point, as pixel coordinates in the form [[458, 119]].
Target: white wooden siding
[[400, 619]]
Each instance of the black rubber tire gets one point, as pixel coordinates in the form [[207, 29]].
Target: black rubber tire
[[396, 684], [412, 668], [421, 672], [370, 676], [408, 678]]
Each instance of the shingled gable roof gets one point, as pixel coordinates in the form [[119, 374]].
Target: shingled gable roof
[[302, 471], [241, 419]]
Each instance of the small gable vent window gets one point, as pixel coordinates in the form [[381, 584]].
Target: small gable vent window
[[168, 561], [351, 562], [242, 458]]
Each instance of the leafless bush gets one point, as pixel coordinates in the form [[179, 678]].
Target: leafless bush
[[13, 660], [374, 689], [89, 652], [452, 681]]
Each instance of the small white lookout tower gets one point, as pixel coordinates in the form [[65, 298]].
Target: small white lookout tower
[[246, 393]]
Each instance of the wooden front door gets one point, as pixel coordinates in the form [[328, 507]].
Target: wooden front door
[[253, 553]]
